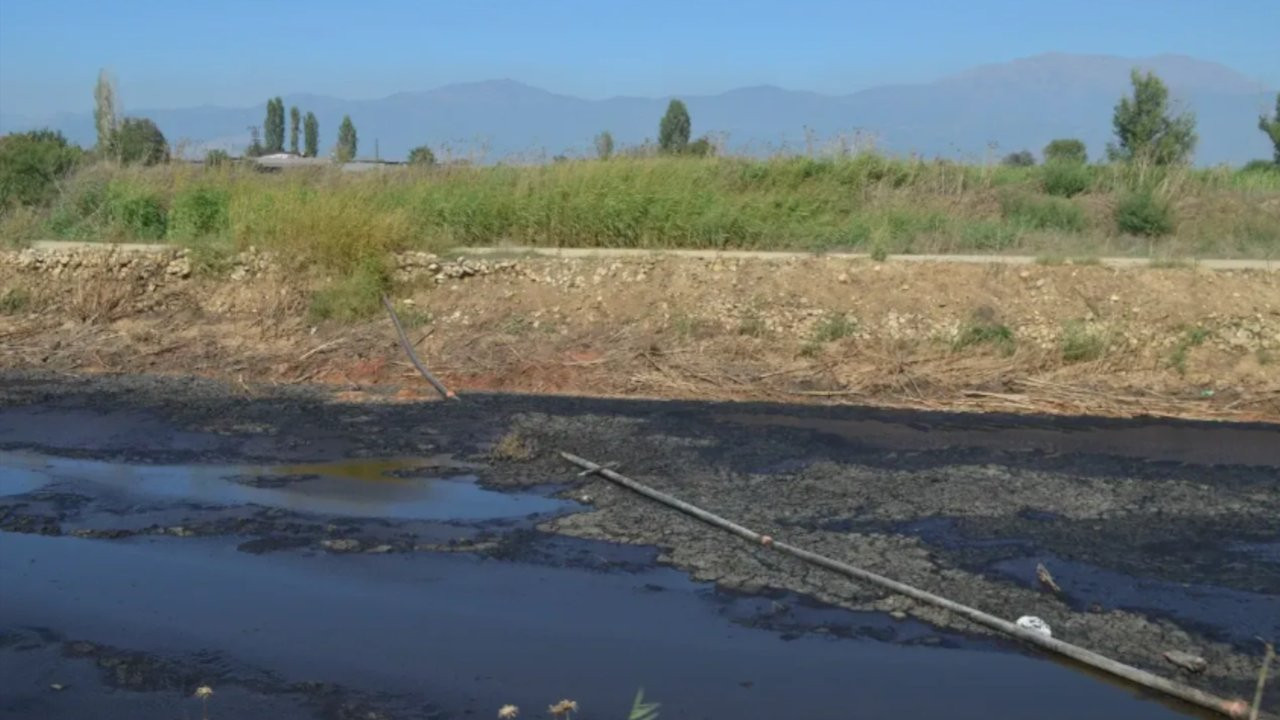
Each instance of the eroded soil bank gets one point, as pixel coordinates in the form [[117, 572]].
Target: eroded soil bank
[[1064, 339], [201, 524]]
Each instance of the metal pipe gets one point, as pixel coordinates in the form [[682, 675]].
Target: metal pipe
[[1230, 708], [413, 357]]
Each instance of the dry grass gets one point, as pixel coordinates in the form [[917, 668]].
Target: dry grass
[[930, 336]]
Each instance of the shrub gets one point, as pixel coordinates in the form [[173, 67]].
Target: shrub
[[136, 212], [980, 332], [20, 225], [835, 326], [31, 166], [1042, 213], [335, 227], [990, 235], [199, 212], [14, 300], [1066, 150], [1022, 158], [1065, 179], [1191, 338], [138, 140], [701, 147], [1081, 343], [353, 296], [422, 155], [1143, 213]]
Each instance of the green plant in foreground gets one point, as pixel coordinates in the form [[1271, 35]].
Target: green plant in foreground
[[641, 710], [752, 326], [199, 212], [136, 211], [210, 256], [14, 300], [1143, 213], [834, 326], [1191, 338], [979, 332], [1082, 343], [354, 296]]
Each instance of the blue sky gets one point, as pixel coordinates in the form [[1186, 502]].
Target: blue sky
[[176, 53]]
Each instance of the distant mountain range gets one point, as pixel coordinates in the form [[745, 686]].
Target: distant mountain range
[[1012, 106]]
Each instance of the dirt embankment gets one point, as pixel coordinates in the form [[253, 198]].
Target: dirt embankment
[[1065, 338]]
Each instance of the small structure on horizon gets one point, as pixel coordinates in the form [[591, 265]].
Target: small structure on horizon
[[286, 161]]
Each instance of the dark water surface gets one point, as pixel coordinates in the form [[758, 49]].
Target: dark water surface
[[129, 625]]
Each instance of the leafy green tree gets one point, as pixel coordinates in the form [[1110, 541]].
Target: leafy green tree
[[1271, 126], [1022, 158], [105, 118], [295, 121], [31, 165], [422, 155], [673, 131], [1066, 150], [273, 126], [311, 135], [347, 141], [138, 140], [604, 145], [1145, 130]]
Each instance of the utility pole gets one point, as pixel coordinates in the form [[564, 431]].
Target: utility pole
[[376, 156]]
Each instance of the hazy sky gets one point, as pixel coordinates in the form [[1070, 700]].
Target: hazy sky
[[174, 53]]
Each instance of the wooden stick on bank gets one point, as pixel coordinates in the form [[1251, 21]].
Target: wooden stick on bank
[[413, 356], [1230, 708]]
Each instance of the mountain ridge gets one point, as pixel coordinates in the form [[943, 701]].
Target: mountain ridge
[[1022, 103]]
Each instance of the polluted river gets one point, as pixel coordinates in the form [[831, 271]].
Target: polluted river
[[309, 558]]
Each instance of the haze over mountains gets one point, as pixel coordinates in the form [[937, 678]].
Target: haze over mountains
[[1015, 105]]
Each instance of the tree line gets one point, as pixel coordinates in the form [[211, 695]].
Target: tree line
[[271, 137], [1147, 133]]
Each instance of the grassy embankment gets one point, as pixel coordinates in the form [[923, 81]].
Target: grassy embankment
[[346, 223]]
